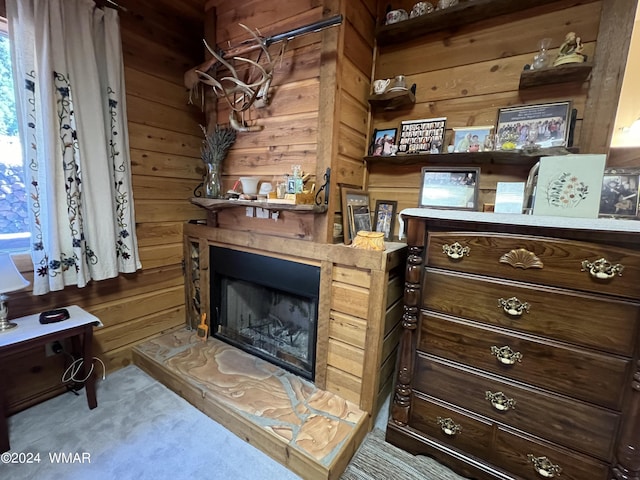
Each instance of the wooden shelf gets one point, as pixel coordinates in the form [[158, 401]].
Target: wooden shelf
[[214, 204], [393, 100], [477, 158], [574, 72], [466, 12]]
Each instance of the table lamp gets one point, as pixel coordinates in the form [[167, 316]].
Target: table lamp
[[10, 280]]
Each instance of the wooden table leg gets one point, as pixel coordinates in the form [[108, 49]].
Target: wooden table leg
[[90, 383], [4, 425]]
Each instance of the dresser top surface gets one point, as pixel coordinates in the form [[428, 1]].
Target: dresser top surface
[[600, 224]]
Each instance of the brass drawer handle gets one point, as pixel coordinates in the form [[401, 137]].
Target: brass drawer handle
[[514, 307], [505, 355], [448, 426], [602, 269], [455, 251], [544, 467], [499, 401]]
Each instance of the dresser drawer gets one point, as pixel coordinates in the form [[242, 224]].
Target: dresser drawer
[[512, 452], [561, 261], [558, 419], [584, 319], [574, 372], [450, 426]]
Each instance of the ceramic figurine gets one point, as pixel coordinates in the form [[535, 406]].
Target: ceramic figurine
[[570, 50], [421, 8]]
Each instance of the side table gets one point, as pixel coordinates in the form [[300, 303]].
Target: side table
[[30, 333]]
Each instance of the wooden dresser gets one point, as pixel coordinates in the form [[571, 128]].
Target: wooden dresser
[[519, 352]]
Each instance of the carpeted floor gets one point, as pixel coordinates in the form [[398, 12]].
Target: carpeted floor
[[142, 430]]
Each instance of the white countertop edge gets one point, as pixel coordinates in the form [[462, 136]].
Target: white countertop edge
[[606, 224]]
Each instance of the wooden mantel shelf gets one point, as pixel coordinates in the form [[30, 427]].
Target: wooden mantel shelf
[[464, 13], [513, 157], [214, 204], [575, 72]]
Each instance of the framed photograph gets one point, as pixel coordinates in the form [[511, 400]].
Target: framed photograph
[[619, 195], [356, 214], [473, 139], [533, 126], [569, 185], [383, 142], [422, 136], [509, 197], [385, 214], [449, 187]]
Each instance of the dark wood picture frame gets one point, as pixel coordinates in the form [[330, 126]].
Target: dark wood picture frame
[[385, 215], [547, 125], [620, 197], [379, 146], [356, 212], [449, 187]]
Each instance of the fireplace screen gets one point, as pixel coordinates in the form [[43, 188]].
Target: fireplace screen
[[272, 314]]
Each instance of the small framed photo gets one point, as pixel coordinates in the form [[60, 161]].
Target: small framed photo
[[449, 187], [384, 142], [385, 214], [473, 139], [619, 196], [534, 126], [356, 214], [422, 136]]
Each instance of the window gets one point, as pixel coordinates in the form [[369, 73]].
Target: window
[[14, 230]]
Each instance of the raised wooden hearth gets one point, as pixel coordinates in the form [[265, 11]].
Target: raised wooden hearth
[[312, 432]]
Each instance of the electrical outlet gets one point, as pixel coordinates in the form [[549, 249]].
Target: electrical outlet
[[53, 348]]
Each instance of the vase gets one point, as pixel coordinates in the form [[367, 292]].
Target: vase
[[212, 185]]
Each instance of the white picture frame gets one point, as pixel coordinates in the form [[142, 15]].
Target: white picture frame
[[569, 185]]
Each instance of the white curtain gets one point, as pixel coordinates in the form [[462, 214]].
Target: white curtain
[[68, 72]]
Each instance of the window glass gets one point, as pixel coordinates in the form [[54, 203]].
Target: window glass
[[14, 230]]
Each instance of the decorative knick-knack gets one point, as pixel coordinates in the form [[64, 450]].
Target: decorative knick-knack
[[215, 146], [212, 185], [541, 59]]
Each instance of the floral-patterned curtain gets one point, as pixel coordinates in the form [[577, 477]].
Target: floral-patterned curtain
[[69, 78]]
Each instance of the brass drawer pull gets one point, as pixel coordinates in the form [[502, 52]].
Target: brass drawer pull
[[505, 355], [602, 269], [499, 401], [455, 251], [448, 426], [513, 306], [544, 467]]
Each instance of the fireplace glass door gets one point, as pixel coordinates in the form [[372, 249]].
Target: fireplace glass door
[[271, 313]]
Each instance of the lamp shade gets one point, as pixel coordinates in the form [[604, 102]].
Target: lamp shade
[[10, 277]]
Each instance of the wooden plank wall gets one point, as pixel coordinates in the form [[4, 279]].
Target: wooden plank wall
[[317, 117], [161, 40], [467, 74]]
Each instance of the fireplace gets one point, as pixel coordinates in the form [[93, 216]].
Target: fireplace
[[266, 306]]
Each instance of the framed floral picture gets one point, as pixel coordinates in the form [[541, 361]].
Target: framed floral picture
[[569, 185]]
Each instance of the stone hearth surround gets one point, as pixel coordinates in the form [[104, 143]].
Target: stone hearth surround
[[311, 431]]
